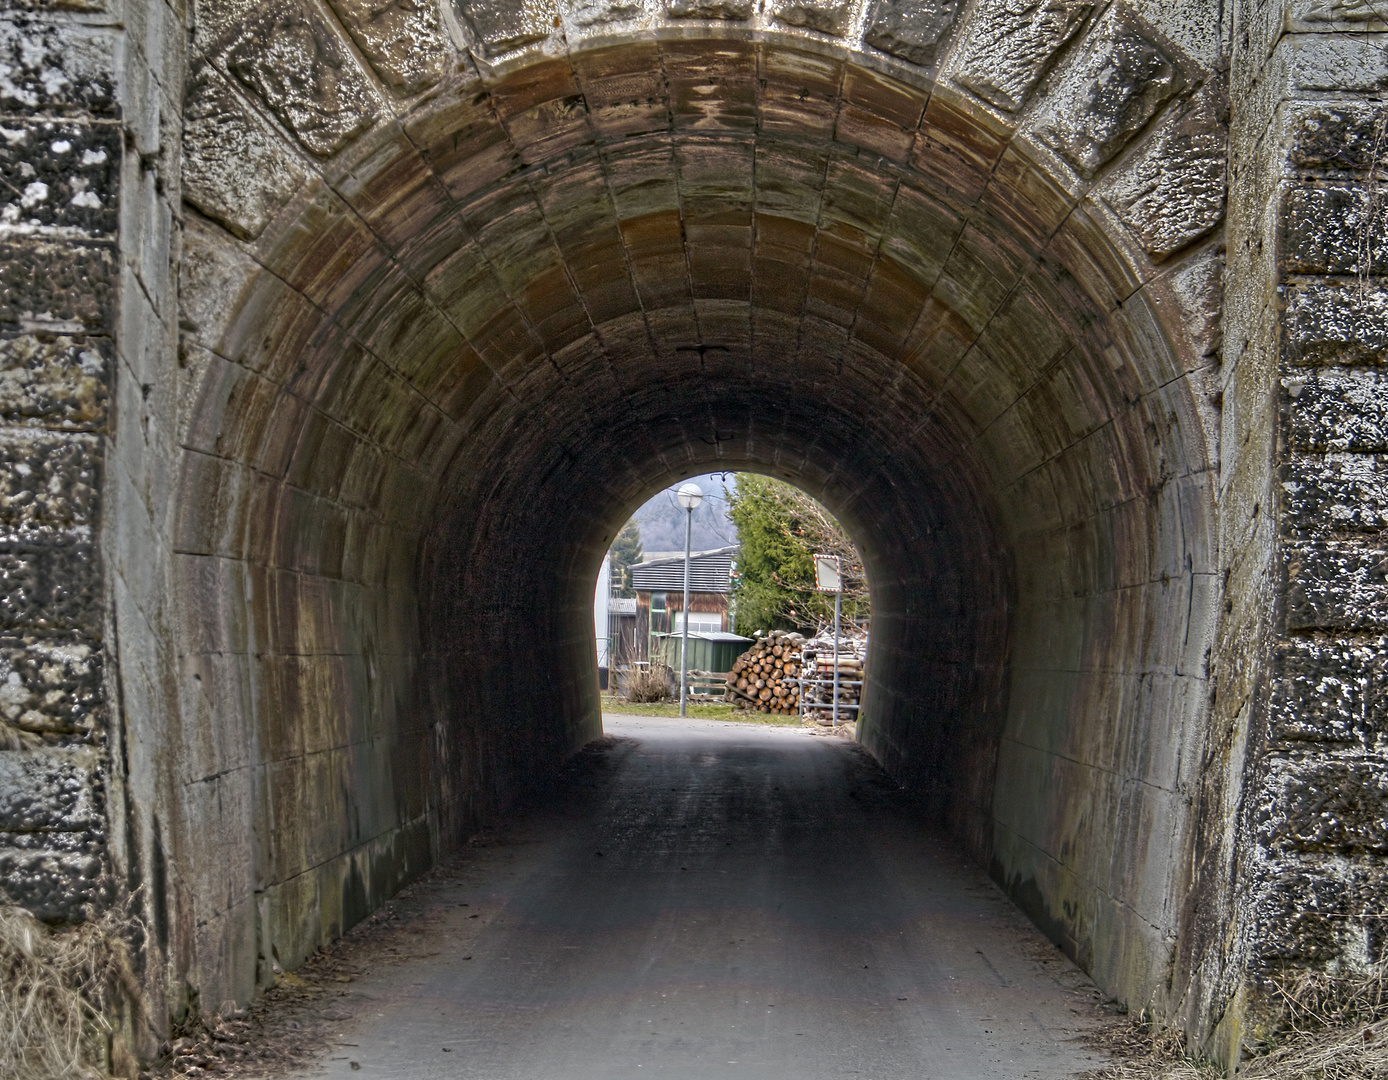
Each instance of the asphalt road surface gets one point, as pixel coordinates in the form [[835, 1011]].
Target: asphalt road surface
[[707, 899]]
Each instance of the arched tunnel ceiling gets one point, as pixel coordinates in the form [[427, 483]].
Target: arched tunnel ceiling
[[432, 365], [809, 226]]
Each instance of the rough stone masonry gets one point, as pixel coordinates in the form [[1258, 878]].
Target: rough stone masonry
[[337, 338]]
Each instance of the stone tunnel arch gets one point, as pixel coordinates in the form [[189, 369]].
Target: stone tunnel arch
[[417, 356]]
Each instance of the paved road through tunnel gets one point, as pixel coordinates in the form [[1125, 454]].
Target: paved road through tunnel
[[707, 899]]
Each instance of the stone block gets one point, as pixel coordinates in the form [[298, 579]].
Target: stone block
[[54, 381], [732, 10], [403, 40], [1010, 45], [1336, 585], [1333, 136], [1123, 75], [48, 480], [826, 16], [60, 177], [1337, 409], [503, 25], [1315, 910], [1331, 690], [47, 66], [57, 877], [1330, 806], [50, 585], [50, 791], [63, 287], [589, 13], [1319, 16], [52, 686], [911, 29], [1335, 323], [1330, 228], [295, 64], [235, 169], [1334, 493], [1172, 193]]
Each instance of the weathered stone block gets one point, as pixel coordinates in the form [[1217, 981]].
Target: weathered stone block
[[1333, 690], [826, 16], [1334, 136], [911, 29], [49, 791], [51, 586], [62, 286], [1335, 323], [52, 686], [235, 169], [54, 381], [1199, 287], [505, 24], [48, 480], [1121, 78], [294, 63], [1011, 43], [1336, 585], [56, 67], [402, 40], [1331, 229], [1173, 192], [1326, 494], [60, 176], [1337, 807], [1337, 409], [1316, 910], [1317, 16], [586, 13], [732, 10], [86, 7], [62, 885]]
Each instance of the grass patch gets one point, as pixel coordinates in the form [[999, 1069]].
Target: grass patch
[[696, 712], [1333, 1027], [55, 987]]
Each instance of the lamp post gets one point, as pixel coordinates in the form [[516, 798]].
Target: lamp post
[[689, 496]]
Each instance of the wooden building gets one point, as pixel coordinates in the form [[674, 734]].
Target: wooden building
[[659, 585]]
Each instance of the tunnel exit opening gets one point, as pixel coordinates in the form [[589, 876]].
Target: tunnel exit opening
[[413, 386], [752, 575]]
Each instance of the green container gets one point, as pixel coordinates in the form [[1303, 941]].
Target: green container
[[707, 652]]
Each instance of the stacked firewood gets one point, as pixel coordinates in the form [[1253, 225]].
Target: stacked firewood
[[818, 660], [765, 677]]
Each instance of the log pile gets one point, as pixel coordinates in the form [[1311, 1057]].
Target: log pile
[[764, 678], [819, 689]]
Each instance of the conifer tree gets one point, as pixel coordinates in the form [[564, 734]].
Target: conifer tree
[[780, 529]]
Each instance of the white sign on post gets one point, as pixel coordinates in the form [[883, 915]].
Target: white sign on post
[[827, 575]]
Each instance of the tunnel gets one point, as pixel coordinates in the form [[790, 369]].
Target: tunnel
[[426, 396]]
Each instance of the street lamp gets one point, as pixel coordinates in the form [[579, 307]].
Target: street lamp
[[689, 496]]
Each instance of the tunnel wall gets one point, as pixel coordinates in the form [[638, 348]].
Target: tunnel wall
[[1298, 710], [379, 336], [962, 313]]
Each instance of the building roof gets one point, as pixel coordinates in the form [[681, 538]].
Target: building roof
[[706, 635], [709, 572]]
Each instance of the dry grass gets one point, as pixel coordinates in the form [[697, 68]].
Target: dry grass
[[647, 684], [1333, 1027], [54, 991]]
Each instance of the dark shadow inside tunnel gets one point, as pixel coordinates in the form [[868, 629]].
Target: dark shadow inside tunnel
[[933, 704]]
